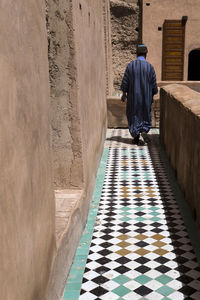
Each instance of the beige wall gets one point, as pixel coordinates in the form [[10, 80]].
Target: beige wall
[[27, 211], [154, 16], [91, 81], [180, 134]]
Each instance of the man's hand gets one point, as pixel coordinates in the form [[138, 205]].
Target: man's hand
[[123, 97]]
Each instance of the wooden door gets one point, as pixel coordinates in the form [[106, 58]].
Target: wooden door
[[173, 50]]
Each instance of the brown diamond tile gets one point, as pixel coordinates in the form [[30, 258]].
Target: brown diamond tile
[[123, 244], [141, 237], [123, 237], [160, 251], [123, 252], [159, 244], [158, 237], [142, 251]]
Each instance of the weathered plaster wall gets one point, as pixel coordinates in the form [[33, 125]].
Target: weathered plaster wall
[[27, 212], [180, 135], [154, 16], [126, 34]]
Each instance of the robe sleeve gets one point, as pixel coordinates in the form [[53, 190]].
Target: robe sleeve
[[125, 81], [154, 84]]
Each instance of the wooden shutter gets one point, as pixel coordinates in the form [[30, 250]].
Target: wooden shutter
[[173, 50]]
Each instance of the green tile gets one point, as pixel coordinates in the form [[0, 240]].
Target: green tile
[[121, 291], [71, 295], [164, 279], [125, 219], [121, 279], [139, 208], [154, 208], [165, 290], [154, 213], [74, 286], [143, 279], [125, 208], [155, 219], [75, 277], [140, 219]]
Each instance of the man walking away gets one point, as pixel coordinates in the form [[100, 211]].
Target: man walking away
[[139, 86]]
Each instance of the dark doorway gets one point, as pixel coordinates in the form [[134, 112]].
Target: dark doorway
[[194, 65]]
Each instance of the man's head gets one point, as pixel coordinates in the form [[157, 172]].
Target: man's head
[[142, 50]]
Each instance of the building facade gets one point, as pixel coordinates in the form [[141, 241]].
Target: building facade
[[171, 31]]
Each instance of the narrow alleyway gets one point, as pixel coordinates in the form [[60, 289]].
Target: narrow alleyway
[[140, 241]]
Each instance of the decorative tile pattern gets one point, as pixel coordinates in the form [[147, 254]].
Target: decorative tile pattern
[[140, 248]]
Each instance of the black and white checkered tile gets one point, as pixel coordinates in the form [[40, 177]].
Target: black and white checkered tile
[[140, 246]]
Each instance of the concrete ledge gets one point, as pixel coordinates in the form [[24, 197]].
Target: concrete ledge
[[70, 222], [116, 113], [195, 85], [180, 135]]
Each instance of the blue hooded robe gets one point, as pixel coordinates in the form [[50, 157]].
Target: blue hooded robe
[[139, 82]]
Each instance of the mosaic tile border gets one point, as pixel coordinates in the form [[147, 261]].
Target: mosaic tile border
[[75, 277]]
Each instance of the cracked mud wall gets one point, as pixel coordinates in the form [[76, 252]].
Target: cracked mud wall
[[65, 118], [126, 34], [78, 75]]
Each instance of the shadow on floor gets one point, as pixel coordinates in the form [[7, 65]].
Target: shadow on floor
[[185, 257]]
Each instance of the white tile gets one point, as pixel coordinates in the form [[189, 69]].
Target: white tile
[[133, 274], [87, 296], [89, 285], [132, 264], [132, 285], [153, 284], [154, 296], [91, 274], [110, 285], [176, 296], [111, 274], [132, 296], [175, 284], [152, 264], [153, 274], [92, 265], [173, 274], [171, 264], [94, 256], [112, 265], [110, 296]]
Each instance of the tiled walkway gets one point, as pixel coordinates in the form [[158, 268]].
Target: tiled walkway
[[136, 245]]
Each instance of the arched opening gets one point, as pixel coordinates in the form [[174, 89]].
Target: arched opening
[[194, 65]]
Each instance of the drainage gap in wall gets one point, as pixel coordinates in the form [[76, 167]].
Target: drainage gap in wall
[[159, 28], [80, 6], [148, 4]]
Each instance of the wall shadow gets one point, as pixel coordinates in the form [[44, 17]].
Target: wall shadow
[[187, 264]]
